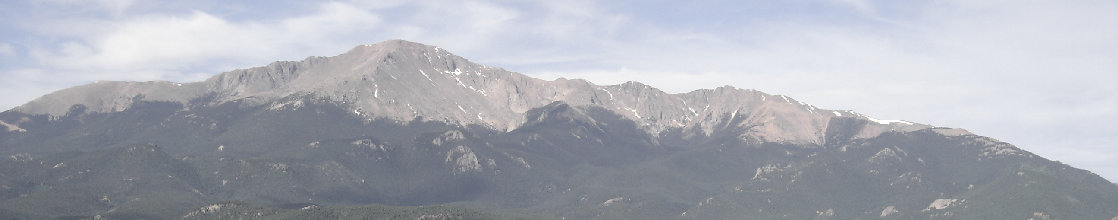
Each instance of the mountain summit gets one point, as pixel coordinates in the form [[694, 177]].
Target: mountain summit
[[399, 123]]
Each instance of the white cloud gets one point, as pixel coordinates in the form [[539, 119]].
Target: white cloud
[[464, 25], [161, 46]]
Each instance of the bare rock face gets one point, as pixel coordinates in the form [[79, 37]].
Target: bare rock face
[[402, 80]]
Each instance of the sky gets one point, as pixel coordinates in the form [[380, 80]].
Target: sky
[[1042, 75]]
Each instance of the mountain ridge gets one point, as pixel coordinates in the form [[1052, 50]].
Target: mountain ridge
[[393, 79]]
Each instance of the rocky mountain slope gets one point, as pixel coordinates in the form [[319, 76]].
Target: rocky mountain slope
[[404, 124]]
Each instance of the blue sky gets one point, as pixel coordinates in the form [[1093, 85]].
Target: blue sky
[[1042, 75]]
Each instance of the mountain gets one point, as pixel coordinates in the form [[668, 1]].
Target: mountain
[[405, 124], [400, 80]]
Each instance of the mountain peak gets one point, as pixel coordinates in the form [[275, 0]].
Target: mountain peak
[[395, 43], [391, 46]]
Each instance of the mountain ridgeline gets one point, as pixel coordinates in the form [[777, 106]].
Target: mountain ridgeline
[[405, 130]]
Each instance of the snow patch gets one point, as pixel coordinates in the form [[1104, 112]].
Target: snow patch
[[463, 85], [456, 71], [837, 114], [885, 122]]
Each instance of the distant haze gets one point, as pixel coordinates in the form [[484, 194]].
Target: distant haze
[[1039, 75]]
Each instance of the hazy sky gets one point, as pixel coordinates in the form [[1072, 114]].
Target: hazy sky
[[1042, 75]]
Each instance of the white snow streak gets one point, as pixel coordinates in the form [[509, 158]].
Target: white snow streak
[[610, 94], [425, 75], [885, 122], [456, 72]]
